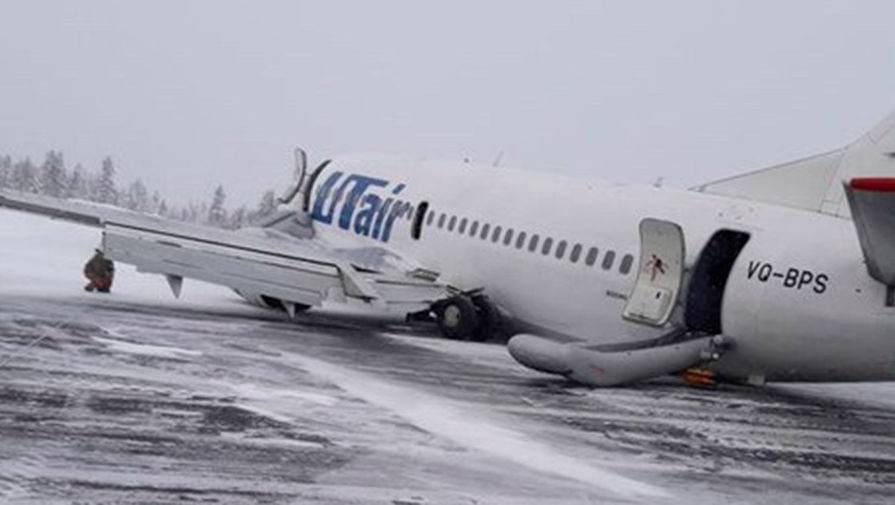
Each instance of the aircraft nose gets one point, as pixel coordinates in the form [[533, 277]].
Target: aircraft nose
[[539, 354]]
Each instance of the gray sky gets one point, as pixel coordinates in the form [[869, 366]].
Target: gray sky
[[186, 94]]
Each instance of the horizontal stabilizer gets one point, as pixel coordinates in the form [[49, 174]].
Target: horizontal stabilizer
[[813, 183], [872, 202]]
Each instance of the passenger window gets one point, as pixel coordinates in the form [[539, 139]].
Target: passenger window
[[430, 219], [561, 249], [591, 256], [441, 220], [508, 237], [462, 228], [576, 253], [608, 259], [452, 223], [496, 235], [474, 228], [533, 245], [417, 229], [625, 267], [520, 240], [548, 244], [485, 229]]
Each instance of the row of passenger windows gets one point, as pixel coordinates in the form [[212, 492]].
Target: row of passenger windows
[[532, 242]]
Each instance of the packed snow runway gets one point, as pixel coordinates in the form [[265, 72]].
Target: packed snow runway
[[134, 398]]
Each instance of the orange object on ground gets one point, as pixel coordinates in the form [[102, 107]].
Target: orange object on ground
[[699, 377]]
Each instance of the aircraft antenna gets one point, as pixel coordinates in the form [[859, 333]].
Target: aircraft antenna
[[498, 159]]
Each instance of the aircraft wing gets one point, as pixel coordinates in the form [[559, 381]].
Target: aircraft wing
[[256, 260]]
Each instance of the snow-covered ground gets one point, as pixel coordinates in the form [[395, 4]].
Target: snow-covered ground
[[135, 397]]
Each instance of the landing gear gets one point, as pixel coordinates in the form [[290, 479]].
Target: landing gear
[[490, 321], [467, 317], [457, 317]]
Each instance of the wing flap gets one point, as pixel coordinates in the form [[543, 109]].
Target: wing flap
[[290, 279]]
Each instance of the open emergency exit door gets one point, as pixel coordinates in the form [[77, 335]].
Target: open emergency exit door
[[661, 271]]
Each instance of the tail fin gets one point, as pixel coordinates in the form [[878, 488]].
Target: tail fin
[[815, 183]]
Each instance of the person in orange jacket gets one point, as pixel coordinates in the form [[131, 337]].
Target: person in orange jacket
[[100, 272]]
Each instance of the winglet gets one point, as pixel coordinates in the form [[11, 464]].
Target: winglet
[[872, 202]]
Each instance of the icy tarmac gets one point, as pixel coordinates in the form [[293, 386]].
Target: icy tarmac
[[136, 398]]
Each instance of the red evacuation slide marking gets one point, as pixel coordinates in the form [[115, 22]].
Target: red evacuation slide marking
[[886, 184]]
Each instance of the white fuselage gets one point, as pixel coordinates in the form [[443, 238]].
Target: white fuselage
[[798, 304]]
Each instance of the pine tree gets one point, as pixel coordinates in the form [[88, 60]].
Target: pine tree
[[266, 207], [105, 189], [5, 171], [53, 179], [238, 218], [78, 184], [24, 176], [137, 197], [155, 203], [217, 215]]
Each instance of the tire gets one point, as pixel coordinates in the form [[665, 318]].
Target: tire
[[458, 318], [489, 319]]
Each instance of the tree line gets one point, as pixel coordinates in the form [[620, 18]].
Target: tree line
[[54, 178]]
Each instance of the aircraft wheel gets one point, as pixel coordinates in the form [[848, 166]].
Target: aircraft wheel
[[458, 318], [489, 319]]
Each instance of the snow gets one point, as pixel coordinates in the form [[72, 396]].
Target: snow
[[402, 417], [473, 429], [276, 403], [257, 393], [877, 393], [159, 351], [45, 257], [473, 351]]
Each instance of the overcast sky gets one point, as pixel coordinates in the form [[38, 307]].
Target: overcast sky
[[188, 94]]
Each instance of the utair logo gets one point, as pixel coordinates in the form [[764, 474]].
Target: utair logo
[[362, 211]]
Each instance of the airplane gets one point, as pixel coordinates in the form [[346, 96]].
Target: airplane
[[783, 274]]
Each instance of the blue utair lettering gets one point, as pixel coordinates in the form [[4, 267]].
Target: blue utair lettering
[[323, 194], [380, 216], [361, 183], [383, 216], [366, 214], [398, 209], [364, 220]]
